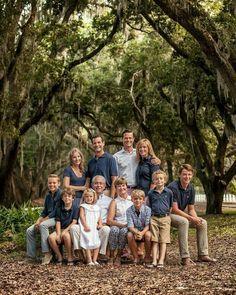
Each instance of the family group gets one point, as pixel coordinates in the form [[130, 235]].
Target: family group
[[119, 206]]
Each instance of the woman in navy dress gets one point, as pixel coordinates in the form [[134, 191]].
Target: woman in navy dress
[[148, 163], [74, 175]]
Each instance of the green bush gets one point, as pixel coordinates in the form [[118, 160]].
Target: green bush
[[14, 222]]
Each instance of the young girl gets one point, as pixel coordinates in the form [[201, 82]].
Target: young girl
[[90, 221], [66, 216]]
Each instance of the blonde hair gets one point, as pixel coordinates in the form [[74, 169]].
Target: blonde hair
[[71, 153], [138, 193], [149, 145], [89, 191], [155, 173], [54, 176]]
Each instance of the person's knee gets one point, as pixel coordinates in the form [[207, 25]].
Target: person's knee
[[148, 236], [106, 230], [203, 224], [130, 236]]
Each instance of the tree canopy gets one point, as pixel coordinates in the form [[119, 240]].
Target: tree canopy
[[165, 69]]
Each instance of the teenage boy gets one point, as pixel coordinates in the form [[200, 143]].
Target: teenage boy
[[160, 200], [184, 197], [138, 220], [103, 164], [45, 221]]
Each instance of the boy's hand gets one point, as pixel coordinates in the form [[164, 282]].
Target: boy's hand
[[138, 236], [58, 239]]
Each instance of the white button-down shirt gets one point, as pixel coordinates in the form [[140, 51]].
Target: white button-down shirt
[[127, 165], [104, 202]]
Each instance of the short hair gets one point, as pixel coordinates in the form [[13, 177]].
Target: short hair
[[127, 131], [54, 176], [89, 190], [120, 180], [68, 191], [187, 167], [138, 193], [159, 172], [97, 136], [100, 176], [71, 153], [149, 145]]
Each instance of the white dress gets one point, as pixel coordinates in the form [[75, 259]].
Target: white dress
[[90, 240]]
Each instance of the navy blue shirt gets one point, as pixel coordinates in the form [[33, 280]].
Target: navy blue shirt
[[183, 197], [66, 216], [74, 180], [105, 166], [144, 174], [52, 201], [160, 203]]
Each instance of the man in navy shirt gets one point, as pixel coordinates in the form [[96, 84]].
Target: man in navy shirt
[[184, 197], [103, 164]]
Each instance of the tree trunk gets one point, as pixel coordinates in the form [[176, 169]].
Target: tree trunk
[[8, 161], [214, 195]]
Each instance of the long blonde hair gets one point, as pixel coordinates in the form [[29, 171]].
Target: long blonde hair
[[149, 145], [71, 153]]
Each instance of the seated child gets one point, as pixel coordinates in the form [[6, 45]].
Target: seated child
[[160, 200], [138, 219], [90, 221], [45, 221], [66, 216]]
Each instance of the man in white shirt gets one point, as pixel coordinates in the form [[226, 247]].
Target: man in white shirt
[[126, 160], [103, 201]]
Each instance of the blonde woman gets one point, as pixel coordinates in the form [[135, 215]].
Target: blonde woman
[[74, 176], [148, 163]]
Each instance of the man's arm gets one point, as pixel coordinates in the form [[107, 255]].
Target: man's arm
[[113, 189], [191, 215]]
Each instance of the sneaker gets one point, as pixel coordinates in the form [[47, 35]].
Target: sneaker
[[96, 263], [46, 259], [90, 264]]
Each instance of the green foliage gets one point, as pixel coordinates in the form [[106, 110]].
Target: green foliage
[[14, 222]]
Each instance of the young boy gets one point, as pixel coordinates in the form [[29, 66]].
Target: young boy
[[66, 216], [160, 200], [138, 219], [45, 221]]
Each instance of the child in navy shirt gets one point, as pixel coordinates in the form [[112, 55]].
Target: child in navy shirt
[[45, 221], [66, 216], [160, 200]]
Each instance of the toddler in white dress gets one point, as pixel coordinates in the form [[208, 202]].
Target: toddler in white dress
[[90, 221]]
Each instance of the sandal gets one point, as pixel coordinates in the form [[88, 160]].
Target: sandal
[[150, 265], [70, 262], [59, 262], [160, 265]]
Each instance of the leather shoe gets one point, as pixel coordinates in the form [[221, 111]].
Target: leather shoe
[[206, 258]]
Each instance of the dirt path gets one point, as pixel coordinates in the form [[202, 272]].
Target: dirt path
[[19, 277]]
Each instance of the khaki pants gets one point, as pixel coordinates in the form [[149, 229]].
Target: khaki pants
[[182, 224]]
